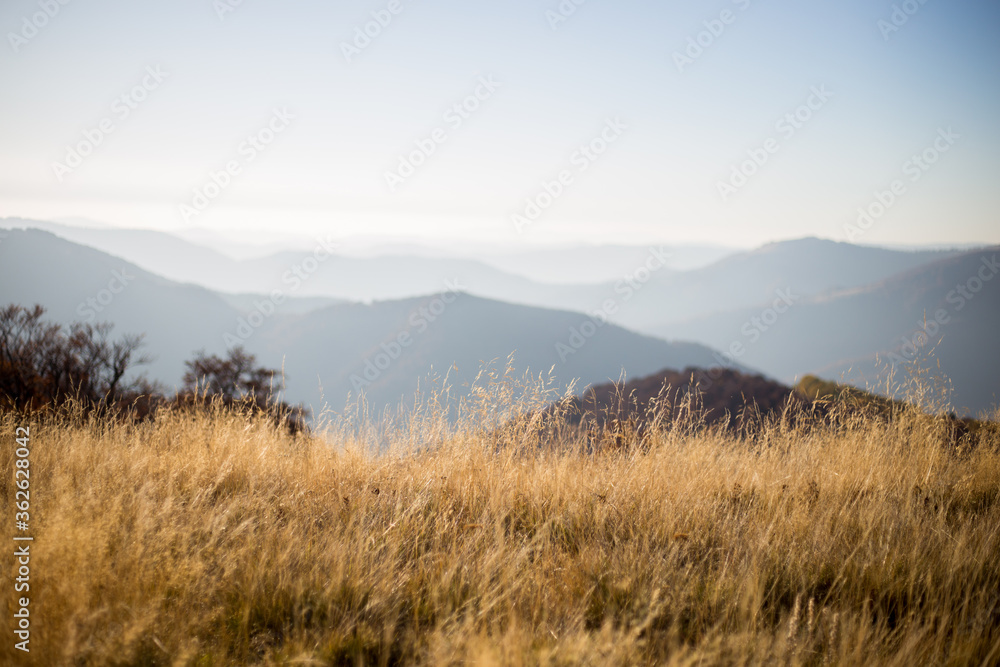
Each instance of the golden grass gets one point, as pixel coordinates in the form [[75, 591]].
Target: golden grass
[[216, 539]]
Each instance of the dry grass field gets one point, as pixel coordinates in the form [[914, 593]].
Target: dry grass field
[[217, 539]]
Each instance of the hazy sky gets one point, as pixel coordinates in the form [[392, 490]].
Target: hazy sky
[[676, 117]]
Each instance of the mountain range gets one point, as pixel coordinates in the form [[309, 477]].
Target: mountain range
[[786, 309], [326, 350]]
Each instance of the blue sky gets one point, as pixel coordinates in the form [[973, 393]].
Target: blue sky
[[685, 128]]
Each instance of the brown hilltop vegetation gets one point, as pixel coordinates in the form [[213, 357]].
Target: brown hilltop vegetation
[[621, 414], [719, 396], [618, 414]]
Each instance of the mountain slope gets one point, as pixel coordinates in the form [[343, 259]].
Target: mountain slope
[[384, 348], [320, 273], [329, 347], [832, 334], [645, 300], [161, 253], [806, 267], [76, 283]]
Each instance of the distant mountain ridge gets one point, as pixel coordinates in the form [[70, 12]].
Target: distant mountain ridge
[[325, 351], [788, 308], [807, 267], [661, 297], [913, 314], [384, 348]]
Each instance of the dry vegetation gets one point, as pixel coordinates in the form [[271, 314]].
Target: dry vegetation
[[217, 539]]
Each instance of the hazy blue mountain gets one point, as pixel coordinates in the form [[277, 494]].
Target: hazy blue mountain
[[333, 276], [838, 335], [788, 309], [77, 283], [158, 252], [642, 299], [326, 346], [582, 265], [344, 348], [746, 280], [573, 277], [298, 305]]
